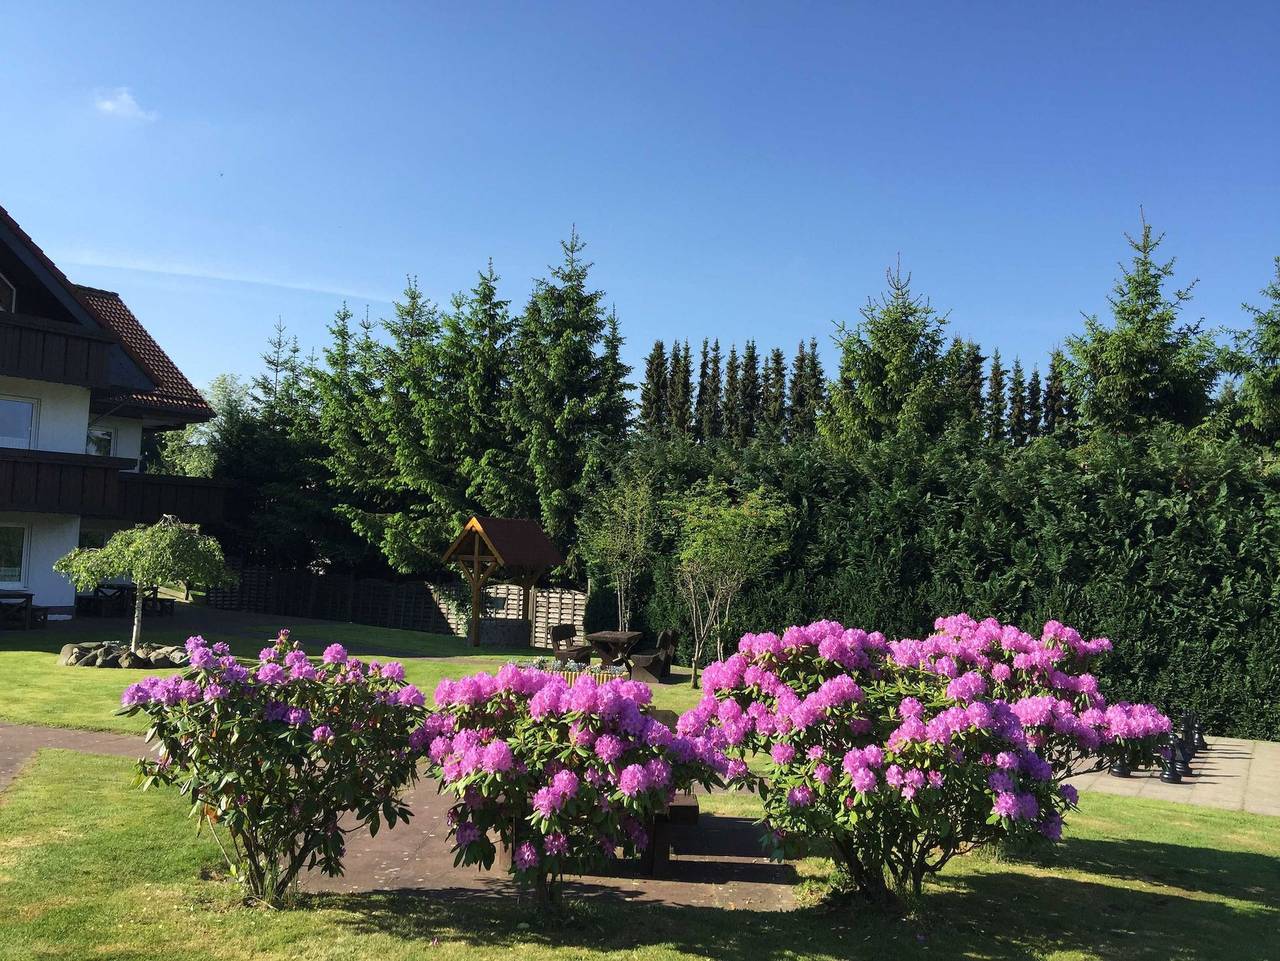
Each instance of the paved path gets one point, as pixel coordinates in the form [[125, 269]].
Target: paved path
[[1233, 774], [713, 864]]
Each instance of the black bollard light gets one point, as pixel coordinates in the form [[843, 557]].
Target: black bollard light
[[1168, 766]]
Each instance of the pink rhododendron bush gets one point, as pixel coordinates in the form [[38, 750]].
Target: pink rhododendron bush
[[565, 777], [903, 754], [273, 755]]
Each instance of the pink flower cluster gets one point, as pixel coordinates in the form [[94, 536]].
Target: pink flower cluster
[[979, 716], [562, 774]]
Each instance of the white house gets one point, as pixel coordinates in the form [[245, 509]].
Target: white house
[[82, 384]]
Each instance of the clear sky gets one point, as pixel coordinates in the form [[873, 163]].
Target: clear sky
[[738, 170]]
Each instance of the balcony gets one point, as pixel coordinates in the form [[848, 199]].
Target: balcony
[[51, 482], [40, 349], [55, 483]]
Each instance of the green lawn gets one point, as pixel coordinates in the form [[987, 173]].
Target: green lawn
[[91, 868], [33, 690]]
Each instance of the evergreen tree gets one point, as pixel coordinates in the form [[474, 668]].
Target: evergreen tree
[[1055, 394], [773, 396], [1018, 427], [1259, 395], [558, 394], [817, 390], [799, 411], [732, 409], [1145, 368], [653, 393], [996, 409], [890, 374], [1035, 405], [480, 437], [700, 428], [748, 395], [680, 391], [713, 406]]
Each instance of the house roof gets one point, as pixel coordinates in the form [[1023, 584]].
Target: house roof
[[173, 393], [515, 543]]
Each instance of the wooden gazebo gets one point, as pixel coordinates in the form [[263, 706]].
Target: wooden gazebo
[[505, 548]]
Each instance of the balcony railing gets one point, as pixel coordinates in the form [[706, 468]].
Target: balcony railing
[[56, 483], [40, 349]]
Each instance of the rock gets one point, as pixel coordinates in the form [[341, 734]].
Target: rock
[[160, 658], [131, 661], [90, 659], [68, 654], [108, 658]]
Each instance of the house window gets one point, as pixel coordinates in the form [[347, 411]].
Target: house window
[[18, 422], [92, 538], [13, 555], [8, 295], [101, 441]]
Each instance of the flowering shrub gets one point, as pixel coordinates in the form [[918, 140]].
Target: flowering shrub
[[563, 776], [902, 754], [277, 753]]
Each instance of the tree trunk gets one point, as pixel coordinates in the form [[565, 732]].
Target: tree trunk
[[137, 618]]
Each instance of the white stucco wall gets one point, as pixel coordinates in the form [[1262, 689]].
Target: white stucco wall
[[63, 415], [49, 536]]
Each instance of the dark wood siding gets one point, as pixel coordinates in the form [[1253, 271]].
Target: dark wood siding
[[147, 497], [55, 483], [40, 349]]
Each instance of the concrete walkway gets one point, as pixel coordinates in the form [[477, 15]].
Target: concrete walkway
[[1233, 775]]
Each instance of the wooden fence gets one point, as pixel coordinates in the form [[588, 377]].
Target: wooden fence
[[409, 605]]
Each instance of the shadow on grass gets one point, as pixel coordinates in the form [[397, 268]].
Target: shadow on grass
[[986, 910]]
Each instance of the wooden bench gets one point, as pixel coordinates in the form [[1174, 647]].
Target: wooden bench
[[683, 811], [562, 648]]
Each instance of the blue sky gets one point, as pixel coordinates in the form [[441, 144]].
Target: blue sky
[[738, 170]]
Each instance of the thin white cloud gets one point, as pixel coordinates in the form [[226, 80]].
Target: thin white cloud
[[121, 103], [110, 261]]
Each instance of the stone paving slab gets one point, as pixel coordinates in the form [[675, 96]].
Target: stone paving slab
[[1233, 775]]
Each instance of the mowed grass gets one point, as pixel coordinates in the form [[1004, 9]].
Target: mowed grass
[[34, 690], [92, 868]]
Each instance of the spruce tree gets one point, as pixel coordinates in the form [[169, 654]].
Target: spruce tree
[[653, 393], [1259, 395], [559, 391], [713, 425], [890, 374], [1018, 431], [1146, 367], [612, 400], [817, 390], [700, 428], [996, 409], [1055, 394], [799, 422], [773, 397], [680, 391], [748, 395], [732, 409], [1035, 405]]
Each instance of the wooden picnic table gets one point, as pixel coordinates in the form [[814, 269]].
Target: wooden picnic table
[[16, 608], [614, 646]]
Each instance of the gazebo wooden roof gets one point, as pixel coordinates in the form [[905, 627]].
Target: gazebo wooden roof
[[516, 549]]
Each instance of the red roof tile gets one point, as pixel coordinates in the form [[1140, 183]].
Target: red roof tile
[[173, 393]]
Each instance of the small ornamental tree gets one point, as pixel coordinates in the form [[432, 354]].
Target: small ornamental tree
[[903, 754], [563, 777], [166, 552], [721, 547], [618, 538], [274, 755]]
